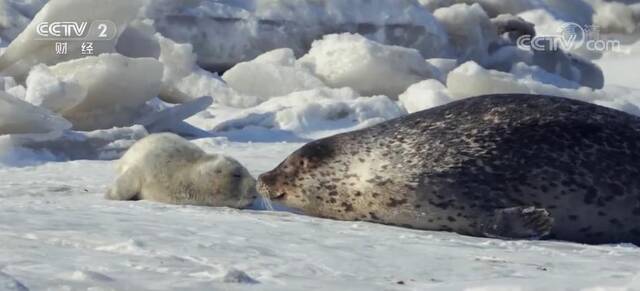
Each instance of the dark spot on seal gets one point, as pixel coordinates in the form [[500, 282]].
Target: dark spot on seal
[[616, 189], [373, 216], [445, 228], [332, 200], [590, 196], [348, 207], [446, 204], [615, 222], [396, 202], [585, 229]]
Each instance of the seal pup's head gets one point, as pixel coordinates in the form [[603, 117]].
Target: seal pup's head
[[229, 184]]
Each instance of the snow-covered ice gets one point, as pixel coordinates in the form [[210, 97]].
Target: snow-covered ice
[[471, 43], [424, 95], [368, 67], [20, 117], [314, 113], [271, 74], [227, 32], [116, 86], [48, 91]]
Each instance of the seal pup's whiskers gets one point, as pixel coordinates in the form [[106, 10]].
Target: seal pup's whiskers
[[265, 202]]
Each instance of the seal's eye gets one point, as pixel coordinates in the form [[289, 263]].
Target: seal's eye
[[304, 163]]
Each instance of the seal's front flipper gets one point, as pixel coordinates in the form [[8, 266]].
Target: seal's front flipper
[[518, 223]]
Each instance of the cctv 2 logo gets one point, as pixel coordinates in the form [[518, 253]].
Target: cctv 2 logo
[[72, 30]]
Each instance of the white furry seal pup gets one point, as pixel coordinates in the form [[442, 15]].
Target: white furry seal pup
[[507, 166], [167, 168]]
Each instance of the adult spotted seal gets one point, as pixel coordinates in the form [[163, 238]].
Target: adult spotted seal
[[167, 168], [507, 166]]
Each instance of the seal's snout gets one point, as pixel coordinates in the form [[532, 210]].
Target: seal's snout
[[266, 179], [266, 182], [268, 186]]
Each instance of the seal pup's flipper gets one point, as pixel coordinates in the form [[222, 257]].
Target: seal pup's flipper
[[518, 223]]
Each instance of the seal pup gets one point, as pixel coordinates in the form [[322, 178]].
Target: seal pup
[[169, 169], [510, 166]]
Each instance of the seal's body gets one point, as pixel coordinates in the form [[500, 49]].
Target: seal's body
[[507, 166], [167, 168]]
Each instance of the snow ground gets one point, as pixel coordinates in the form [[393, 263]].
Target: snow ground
[[59, 234]]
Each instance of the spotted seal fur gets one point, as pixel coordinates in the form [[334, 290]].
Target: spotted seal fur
[[509, 166]]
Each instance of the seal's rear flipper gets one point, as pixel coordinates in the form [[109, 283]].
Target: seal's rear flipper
[[519, 223]]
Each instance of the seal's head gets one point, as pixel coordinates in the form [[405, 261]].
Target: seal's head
[[300, 180]]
